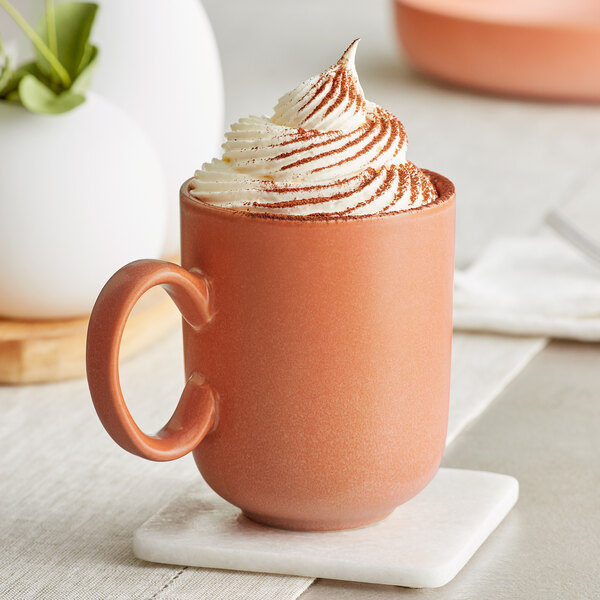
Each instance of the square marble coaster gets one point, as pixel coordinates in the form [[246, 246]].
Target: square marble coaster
[[424, 543]]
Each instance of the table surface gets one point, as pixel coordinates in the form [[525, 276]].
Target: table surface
[[512, 161]]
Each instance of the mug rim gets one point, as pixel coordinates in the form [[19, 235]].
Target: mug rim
[[444, 186]]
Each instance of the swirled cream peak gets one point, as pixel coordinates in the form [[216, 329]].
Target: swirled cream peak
[[326, 151], [332, 101]]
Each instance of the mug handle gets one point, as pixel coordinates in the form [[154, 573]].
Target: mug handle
[[195, 412]]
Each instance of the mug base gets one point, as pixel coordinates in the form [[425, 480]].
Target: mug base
[[315, 525]]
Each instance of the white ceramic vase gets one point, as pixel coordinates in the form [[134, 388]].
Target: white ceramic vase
[[81, 194], [159, 61]]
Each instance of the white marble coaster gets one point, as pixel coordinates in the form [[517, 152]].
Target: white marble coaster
[[424, 543]]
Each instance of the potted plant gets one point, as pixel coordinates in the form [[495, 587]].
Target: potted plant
[[81, 187]]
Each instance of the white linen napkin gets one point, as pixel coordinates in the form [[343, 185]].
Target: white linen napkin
[[539, 285]]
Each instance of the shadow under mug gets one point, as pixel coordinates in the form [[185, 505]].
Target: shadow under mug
[[317, 358]]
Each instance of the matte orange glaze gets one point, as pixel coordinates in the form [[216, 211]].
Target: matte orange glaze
[[538, 48], [326, 352]]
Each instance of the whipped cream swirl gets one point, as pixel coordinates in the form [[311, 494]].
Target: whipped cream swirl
[[326, 151]]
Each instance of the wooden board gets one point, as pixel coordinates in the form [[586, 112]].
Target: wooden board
[[41, 351]]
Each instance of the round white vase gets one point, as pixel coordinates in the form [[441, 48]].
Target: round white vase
[[159, 61], [81, 194]]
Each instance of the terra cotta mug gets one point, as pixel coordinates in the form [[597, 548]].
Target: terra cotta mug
[[317, 358]]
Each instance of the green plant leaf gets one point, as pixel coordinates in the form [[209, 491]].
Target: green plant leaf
[[37, 41], [73, 23], [6, 74], [39, 98], [11, 86], [57, 80], [84, 79], [13, 97]]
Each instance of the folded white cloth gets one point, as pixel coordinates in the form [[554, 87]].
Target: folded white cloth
[[539, 285]]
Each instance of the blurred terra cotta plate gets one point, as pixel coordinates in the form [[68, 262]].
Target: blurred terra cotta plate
[[536, 48]]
